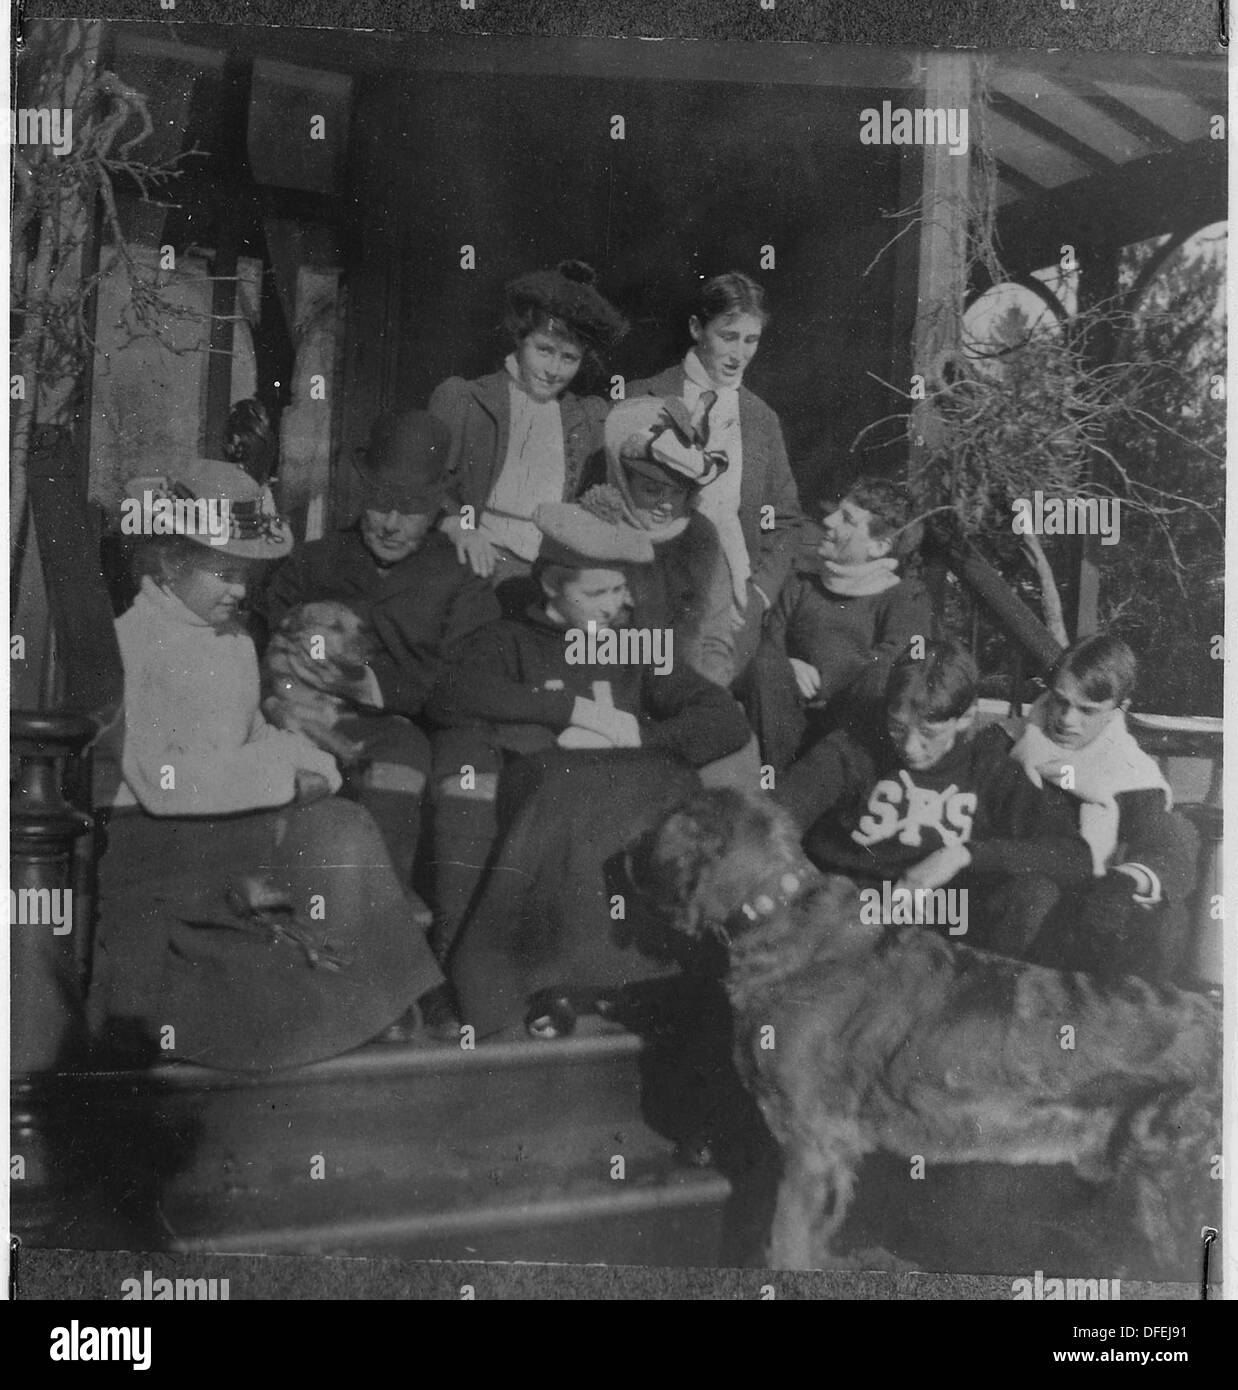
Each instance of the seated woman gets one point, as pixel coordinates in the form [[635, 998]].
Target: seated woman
[[249, 920], [519, 437], [591, 750]]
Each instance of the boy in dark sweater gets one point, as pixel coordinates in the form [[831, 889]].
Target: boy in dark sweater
[[1131, 917], [843, 616], [925, 801]]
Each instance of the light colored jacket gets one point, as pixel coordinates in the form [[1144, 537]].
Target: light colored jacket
[[195, 741]]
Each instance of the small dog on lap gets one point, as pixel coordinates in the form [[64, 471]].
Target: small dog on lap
[[332, 642], [898, 1040]]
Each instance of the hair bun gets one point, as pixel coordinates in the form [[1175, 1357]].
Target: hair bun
[[577, 270]]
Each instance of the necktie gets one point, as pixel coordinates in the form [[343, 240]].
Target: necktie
[[704, 406]]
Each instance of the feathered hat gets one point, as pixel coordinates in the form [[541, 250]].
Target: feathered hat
[[660, 430]]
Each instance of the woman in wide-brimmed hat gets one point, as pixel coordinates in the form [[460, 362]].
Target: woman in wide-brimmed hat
[[583, 750], [520, 437], [249, 919]]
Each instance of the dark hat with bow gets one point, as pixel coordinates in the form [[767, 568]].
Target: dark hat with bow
[[661, 430], [403, 468], [568, 293]]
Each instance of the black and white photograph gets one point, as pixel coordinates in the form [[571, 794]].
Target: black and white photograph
[[617, 660]]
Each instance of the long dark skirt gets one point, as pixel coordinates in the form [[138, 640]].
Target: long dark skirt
[[179, 975], [558, 907]]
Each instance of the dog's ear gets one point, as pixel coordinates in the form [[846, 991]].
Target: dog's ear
[[691, 841]]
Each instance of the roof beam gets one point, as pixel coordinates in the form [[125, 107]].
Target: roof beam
[[1135, 121], [1145, 198], [1033, 122]]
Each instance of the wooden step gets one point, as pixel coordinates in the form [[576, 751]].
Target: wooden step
[[524, 1150]]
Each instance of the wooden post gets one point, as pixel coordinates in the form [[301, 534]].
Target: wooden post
[[306, 425], [1098, 284], [941, 281], [232, 165], [43, 968], [940, 270]]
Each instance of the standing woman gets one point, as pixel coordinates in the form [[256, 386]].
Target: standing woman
[[519, 437], [726, 324]]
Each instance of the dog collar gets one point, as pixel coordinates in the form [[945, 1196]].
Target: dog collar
[[760, 905]]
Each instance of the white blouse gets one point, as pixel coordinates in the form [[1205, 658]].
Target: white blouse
[[534, 471]]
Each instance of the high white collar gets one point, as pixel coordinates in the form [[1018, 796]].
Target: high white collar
[[694, 370]]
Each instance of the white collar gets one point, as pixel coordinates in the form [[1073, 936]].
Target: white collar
[[694, 370]]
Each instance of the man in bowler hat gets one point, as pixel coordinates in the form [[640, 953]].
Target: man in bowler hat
[[402, 577]]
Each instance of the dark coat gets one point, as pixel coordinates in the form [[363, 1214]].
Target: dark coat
[[688, 587], [513, 689], [546, 915], [767, 481], [478, 414], [423, 609]]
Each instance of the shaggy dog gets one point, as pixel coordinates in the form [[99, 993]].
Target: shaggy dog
[[327, 637], [856, 1038]]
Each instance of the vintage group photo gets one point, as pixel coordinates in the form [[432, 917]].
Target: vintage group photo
[[617, 655]]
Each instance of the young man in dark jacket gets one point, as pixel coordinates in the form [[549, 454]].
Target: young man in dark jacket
[[403, 579], [925, 802], [844, 615], [1131, 917]]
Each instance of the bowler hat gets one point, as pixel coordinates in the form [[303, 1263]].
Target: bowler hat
[[402, 470]]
